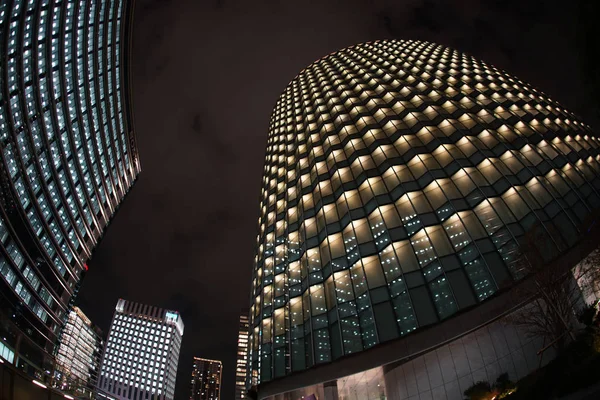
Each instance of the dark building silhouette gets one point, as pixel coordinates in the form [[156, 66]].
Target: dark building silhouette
[[206, 379], [401, 178], [68, 157]]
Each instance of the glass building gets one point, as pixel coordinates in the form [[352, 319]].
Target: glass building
[[400, 180], [78, 356], [241, 365], [206, 379], [68, 156], [142, 352]]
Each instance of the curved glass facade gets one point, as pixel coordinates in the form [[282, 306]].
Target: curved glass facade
[[400, 179], [68, 153]]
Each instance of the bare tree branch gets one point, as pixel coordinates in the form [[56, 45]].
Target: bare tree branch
[[557, 291]]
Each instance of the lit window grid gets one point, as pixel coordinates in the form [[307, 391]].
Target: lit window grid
[[61, 216], [206, 379], [241, 367], [141, 353], [381, 125], [26, 282], [79, 349]]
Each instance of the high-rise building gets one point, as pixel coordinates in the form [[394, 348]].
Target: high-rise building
[[141, 354], [206, 379], [401, 180], [241, 365], [78, 358], [68, 156]]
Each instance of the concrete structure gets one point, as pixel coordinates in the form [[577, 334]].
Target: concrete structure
[[142, 352], [402, 182], [68, 157]]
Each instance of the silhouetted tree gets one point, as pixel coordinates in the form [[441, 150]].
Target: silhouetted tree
[[555, 290]]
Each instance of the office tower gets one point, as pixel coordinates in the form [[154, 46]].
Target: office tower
[[206, 379], [141, 354], [241, 366], [78, 358], [68, 156], [400, 180]]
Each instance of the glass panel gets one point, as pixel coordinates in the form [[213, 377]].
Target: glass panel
[[374, 272], [390, 264], [472, 224], [317, 300], [442, 297], [406, 256], [440, 240], [343, 286]]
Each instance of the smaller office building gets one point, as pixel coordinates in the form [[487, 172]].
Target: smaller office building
[[206, 379], [79, 352], [142, 352]]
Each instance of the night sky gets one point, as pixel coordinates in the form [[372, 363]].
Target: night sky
[[206, 75]]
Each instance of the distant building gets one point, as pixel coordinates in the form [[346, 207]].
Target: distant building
[[242, 357], [142, 352], [206, 379], [68, 157], [79, 353]]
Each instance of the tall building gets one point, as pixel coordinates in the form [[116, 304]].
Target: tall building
[[68, 156], [78, 358], [241, 365], [206, 379], [141, 354], [400, 180]]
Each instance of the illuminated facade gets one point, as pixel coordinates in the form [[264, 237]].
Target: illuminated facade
[[78, 358], [206, 379], [141, 354], [241, 366], [400, 179], [68, 157]]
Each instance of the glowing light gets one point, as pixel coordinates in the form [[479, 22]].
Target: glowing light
[[40, 384]]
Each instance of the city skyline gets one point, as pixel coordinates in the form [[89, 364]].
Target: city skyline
[[204, 79], [205, 111]]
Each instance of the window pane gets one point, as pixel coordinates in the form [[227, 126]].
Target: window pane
[[374, 272], [406, 256], [439, 240]]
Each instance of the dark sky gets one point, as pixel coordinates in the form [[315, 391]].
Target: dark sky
[[206, 75]]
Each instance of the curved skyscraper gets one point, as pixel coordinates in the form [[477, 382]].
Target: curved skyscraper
[[401, 181], [68, 157]]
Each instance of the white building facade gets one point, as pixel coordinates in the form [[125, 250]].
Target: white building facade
[[142, 352]]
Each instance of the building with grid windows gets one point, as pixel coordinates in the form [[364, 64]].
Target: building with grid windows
[[141, 354], [401, 181], [68, 156], [241, 366], [78, 357], [206, 379]]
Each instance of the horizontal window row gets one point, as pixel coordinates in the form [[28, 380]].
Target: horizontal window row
[[334, 171]]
